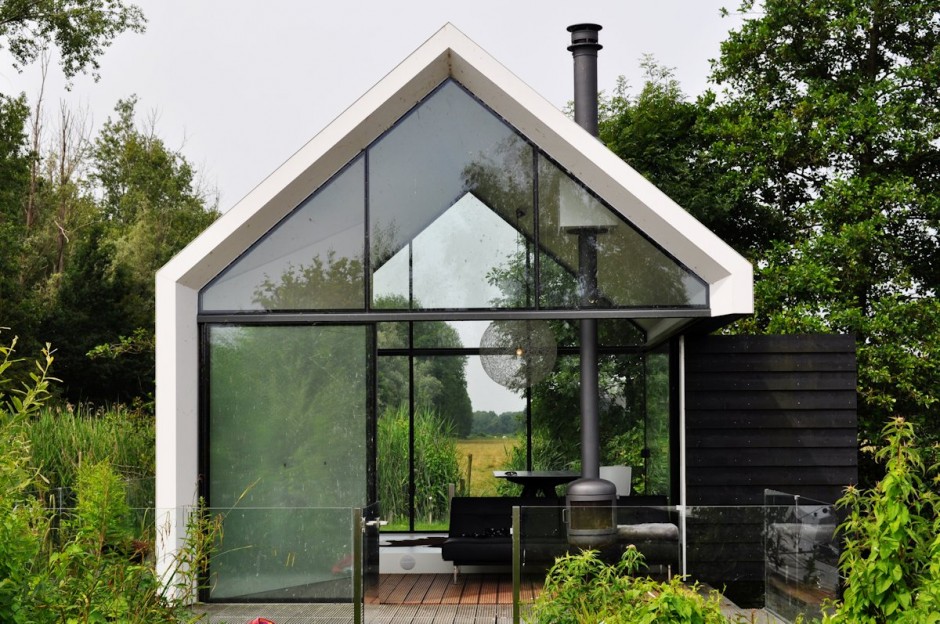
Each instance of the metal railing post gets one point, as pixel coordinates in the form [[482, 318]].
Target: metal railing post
[[358, 530], [516, 563]]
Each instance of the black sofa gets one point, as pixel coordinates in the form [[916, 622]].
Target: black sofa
[[480, 530]]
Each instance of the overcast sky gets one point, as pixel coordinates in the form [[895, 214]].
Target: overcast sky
[[239, 85]]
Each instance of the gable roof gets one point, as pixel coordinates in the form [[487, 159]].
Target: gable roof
[[450, 54]]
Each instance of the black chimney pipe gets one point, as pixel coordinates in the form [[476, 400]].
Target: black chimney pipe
[[591, 500], [584, 47]]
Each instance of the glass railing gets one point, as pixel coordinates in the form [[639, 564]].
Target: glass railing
[[801, 554], [777, 560]]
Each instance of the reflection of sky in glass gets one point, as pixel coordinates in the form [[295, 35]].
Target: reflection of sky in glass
[[451, 259], [332, 220], [485, 394], [419, 169]]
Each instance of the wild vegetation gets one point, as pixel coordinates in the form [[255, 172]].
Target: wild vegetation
[[818, 158], [91, 559]]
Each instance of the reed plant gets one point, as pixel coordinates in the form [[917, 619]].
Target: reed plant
[[61, 439], [435, 460]]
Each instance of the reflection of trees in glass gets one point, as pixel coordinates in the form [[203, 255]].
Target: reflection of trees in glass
[[324, 284], [631, 271], [657, 432], [284, 403], [287, 413]]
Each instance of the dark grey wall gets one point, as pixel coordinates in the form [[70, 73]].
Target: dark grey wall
[[762, 412], [770, 412]]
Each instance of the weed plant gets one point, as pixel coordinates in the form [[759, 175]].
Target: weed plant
[[84, 567], [583, 589], [891, 555]]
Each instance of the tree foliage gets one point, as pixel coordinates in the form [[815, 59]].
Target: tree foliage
[[820, 162], [831, 114], [81, 30]]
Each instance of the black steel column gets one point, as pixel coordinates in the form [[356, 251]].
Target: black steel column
[[584, 47]]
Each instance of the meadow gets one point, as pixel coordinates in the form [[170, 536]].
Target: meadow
[[482, 456]]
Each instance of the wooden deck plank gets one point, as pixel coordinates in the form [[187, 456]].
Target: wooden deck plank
[[400, 591], [419, 589], [453, 591], [439, 585], [471, 590], [489, 590], [504, 592]]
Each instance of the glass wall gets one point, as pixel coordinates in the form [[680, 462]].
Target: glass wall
[[312, 260], [286, 431], [463, 213], [658, 460]]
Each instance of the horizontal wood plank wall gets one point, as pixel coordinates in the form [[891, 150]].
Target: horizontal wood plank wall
[[774, 412], [763, 412]]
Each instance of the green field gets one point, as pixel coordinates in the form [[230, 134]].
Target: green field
[[488, 454]]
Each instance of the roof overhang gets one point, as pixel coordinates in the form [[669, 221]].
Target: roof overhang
[[450, 54]]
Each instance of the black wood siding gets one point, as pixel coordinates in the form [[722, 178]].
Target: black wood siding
[[762, 412], [774, 412]]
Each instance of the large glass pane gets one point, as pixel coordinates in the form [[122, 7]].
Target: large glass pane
[[393, 441], [286, 431], [450, 201], [556, 413], [630, 271], [312, 260], [658, 476], [443, 414]]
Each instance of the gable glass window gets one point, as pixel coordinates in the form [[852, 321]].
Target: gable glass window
[[311, 260], [452, 209]]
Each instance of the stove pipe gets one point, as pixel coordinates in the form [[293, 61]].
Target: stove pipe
[[591, 500], [584, 47]]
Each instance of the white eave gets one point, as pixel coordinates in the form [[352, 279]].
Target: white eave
[[449, 53]]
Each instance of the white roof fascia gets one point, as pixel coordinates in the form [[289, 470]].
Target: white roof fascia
[[450, 53], [646, 207]]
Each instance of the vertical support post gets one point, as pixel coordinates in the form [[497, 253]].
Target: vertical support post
[[516, 563], [358, 530], [683, 509]]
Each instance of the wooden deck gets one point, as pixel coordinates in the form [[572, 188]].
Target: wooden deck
[[424, 599], [440, 589]]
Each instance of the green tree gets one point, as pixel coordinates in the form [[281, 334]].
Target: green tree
[[96, 303], [440, 382], [14, 179], [81, 30], [149, 194], [666, 136], [831, 118]]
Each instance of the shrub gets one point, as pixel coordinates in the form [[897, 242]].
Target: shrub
[[891, 556], [583, 589], [85, 568]]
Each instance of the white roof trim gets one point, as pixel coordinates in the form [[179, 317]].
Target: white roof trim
[[449, 53]]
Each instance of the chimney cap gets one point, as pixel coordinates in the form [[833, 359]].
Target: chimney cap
[[584, 35]]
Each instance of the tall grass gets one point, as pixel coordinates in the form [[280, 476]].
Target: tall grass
[[61, 440], [436, 466]]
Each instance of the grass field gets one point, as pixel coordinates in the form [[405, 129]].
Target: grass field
[[488, 454]]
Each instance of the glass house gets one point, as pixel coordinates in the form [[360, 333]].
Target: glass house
[[305, 338]]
